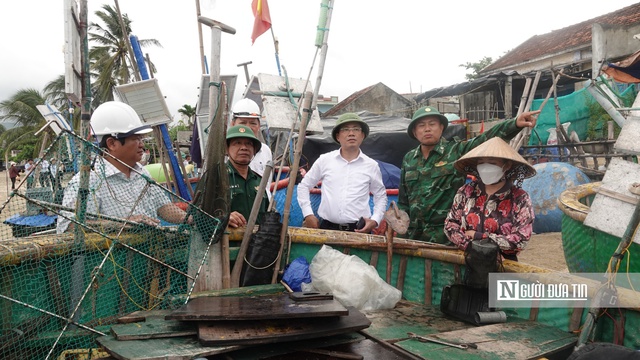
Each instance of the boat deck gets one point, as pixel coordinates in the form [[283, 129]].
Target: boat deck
[[386, 338]]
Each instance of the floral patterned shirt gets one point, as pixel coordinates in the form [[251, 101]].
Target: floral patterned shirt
[[506, 217]]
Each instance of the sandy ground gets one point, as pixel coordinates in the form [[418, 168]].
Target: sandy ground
[[544, 250]]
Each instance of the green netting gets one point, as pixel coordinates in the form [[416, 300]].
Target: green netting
[[574, 109], [65, 280]]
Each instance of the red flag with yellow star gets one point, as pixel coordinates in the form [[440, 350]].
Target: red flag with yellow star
[[263, 18]]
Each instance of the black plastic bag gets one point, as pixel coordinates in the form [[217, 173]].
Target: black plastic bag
[[262, 253]]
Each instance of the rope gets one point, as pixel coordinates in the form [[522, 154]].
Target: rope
[[261, 268]]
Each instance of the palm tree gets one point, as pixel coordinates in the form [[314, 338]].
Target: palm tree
[[21, 109], [188, 111], [110, 65], [55, 92]]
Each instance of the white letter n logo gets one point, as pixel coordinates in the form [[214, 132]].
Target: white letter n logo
[[508, 289]]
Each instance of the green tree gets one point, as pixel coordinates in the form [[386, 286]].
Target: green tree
[[190, 112], [21, 109], [476, 67], [56, 94], [110, 65], [173, 131]]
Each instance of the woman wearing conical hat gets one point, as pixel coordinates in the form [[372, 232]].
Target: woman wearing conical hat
[[494, 206]]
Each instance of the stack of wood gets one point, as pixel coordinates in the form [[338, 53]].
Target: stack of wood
[[208, 326]]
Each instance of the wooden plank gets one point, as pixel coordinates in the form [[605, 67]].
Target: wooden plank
[[279, 330], [402, 272], [576, 319], [428, 282], [267, 351], [515, 340], [178, 348], [374, 258], [256, 308], [407, 317], [138, 316], [153, 328]]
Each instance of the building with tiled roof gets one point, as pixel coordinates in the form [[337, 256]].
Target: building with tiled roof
[[575, 50]]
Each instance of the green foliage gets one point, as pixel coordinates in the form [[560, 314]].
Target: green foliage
[[110, 65], [188, 111], [173, 131], [476, 67], [598, 118]]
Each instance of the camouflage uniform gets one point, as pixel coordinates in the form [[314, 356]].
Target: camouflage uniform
[[243, 193], [428, 186]]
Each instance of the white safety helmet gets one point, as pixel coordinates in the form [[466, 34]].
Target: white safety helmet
[[246, 108], [118, 120]]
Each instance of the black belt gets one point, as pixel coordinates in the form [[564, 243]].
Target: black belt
[[325, 224]]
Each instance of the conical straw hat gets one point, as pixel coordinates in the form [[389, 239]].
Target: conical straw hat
[[494, 148]]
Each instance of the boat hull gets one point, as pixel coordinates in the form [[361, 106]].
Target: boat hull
[[587, 250]]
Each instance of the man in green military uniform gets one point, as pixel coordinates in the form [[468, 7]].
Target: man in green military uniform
[[428, 180], [242, 146]]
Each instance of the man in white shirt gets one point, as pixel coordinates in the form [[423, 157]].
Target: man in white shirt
[[348, 177], [115, 189], [30, 173], [246, 112], [45, 176]]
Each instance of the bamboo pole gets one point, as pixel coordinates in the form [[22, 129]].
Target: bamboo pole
[[306, 113], [204, 70], [323, 50]]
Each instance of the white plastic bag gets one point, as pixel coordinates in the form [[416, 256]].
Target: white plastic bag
[[351, 281]]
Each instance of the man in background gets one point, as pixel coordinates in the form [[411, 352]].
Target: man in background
[[246, 112]]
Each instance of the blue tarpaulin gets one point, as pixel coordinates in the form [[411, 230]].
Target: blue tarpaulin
[[33, 220]]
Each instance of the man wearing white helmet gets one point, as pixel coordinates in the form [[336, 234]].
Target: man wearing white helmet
[[247, 112], [115, 189]]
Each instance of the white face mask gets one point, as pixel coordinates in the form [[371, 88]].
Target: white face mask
[[489, 173]]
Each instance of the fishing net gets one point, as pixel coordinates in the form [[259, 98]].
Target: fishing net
[[77, 252]]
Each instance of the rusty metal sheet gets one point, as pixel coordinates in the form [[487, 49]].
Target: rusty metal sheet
[[272, 331], [256, 308]]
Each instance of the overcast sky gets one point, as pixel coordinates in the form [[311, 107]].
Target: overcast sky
[[409, 45]]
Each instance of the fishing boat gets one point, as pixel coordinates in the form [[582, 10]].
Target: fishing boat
[[62, 296], [40, 273]]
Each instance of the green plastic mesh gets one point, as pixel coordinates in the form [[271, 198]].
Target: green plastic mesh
[[59, 290]]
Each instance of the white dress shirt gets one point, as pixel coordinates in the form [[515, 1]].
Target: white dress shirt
[[346, 186], [259, 163]]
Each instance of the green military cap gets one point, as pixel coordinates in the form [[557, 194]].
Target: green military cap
[[426, 111], [242, 131], [348, 118]]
